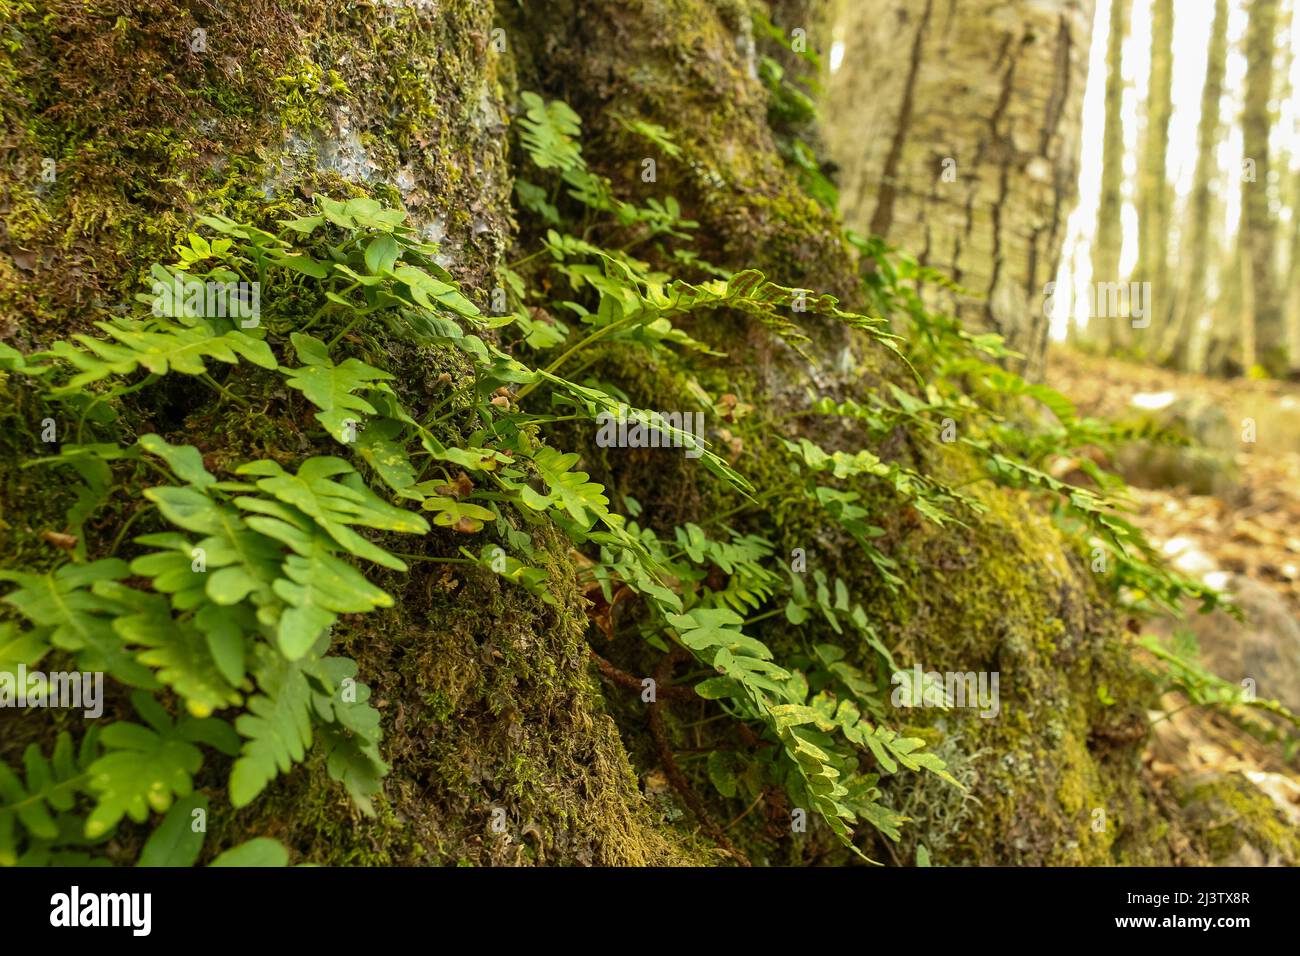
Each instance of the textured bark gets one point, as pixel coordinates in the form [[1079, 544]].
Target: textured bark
[[1155, 193], [1183, 342], [1104, 331], [993, 87], [1258, 229]]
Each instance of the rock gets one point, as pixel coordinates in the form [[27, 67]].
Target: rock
[[1264, 649], [1204, 467], [1236, 822]]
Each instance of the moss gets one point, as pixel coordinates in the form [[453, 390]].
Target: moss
[[1235, 823], [646, 59], [1002, 597], [150, 122]]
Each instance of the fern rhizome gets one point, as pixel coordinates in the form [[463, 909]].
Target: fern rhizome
[[217, 601]]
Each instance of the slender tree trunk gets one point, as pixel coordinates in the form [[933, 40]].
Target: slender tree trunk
[[1154, 190], [1258, 229], [966, 152], [1104, 332], [1291, 283], [1186, 326], [1293, 287]]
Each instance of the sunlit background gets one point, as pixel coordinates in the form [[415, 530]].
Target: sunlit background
[[1192, 23]]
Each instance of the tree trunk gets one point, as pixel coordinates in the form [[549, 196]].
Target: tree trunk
[[956, 127], [1187, 327], [1105, 331], [1258, 229], [1154, 190], [1293, 286]]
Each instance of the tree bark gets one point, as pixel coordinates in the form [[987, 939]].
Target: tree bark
[[956, 127], [1293, 287], [1154, 189], [1181, 343], [1105, 331], [1258, 228]]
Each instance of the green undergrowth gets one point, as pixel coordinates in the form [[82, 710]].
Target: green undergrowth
[[373, 432]]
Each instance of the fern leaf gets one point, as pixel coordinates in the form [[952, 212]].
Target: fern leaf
[[175, 649], [21, 648], [50, 790], [335, 506], [350, 732], [78, 619], [331, 387], [175, 841], [583, 500], [143, 768], [549, 133], [260, 851], [166, 348], [277, 728]]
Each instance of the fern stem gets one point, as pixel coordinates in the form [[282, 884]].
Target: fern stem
[[126, 526], [328, 304], [344, 331], [209, 380], [44, 794], [433, 411], [552, 419], [519, 262], [568, 353], [743, 506], [432, 560], [763, 617], [747, 810]]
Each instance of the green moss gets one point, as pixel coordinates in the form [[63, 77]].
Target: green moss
[[1234, 822], [149, 122]]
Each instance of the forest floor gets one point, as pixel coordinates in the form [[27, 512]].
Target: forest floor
[[1248, 537], [1255, 529]]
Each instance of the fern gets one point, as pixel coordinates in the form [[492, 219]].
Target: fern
[[145, 768], [349, 729], [334, 506], [176, 651], [277, 727], [549, 133], [73, 616], [160, 347], [42, 804], [239, 596], [331, 387]]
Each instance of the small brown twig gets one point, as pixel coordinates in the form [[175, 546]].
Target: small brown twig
[[623, 679]]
